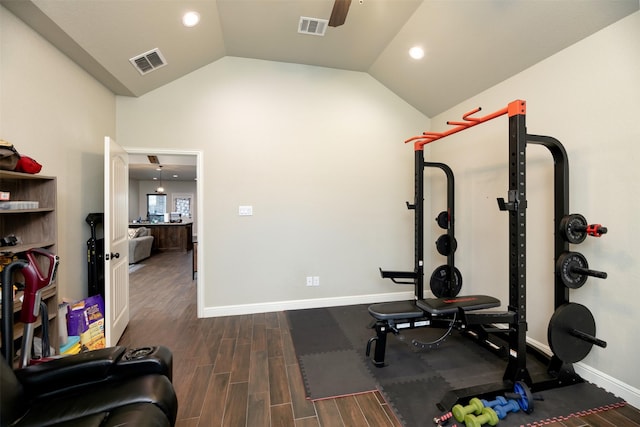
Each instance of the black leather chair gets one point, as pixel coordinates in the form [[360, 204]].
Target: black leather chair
[[102, 388], [108, 387]]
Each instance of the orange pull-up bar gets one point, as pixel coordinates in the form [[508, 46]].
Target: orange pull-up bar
[[514, 108]]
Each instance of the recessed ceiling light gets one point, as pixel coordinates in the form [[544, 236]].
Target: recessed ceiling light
[[416, 52], [191, 19]]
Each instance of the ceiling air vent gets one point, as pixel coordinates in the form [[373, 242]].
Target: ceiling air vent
[[314, 26], [148, 61]]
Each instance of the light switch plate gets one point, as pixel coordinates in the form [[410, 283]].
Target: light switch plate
[[245, 210]]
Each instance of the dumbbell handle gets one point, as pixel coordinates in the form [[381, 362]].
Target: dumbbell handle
[[587, 272], [589, 338], [516, 396]]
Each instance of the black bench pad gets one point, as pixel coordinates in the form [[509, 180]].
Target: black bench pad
[[440, 306], [395, 310]]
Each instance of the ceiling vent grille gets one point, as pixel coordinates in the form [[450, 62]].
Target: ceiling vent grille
[[148, 61], [313, 26]]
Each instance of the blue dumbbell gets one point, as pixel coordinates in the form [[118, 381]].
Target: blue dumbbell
[[503, 410], [500, 400]]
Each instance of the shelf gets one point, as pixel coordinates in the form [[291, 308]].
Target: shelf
[[35, 228], [25, 211], [47, 293], [22, 176], [24, 247]]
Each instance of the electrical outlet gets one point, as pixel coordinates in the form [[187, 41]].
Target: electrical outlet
[[316, 281], [309, 281]]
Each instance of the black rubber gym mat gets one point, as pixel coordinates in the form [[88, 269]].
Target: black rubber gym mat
[[345, 369], [315, 331], [330, 345]]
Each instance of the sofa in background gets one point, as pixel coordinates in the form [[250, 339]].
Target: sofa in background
[[140, 244]]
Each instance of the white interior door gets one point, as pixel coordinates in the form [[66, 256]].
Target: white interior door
[[116, 244]]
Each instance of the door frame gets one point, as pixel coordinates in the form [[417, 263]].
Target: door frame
[[199, 210]]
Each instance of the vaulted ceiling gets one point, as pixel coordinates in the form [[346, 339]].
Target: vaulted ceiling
[[469, 45]]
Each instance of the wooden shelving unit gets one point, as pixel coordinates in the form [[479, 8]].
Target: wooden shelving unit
[[35, 228]]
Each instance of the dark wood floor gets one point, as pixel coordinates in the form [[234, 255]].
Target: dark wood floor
[[242, 371]]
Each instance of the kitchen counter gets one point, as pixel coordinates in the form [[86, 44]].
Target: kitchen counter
[[169, 236]]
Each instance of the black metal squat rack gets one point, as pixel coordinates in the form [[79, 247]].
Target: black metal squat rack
[[565, 333]]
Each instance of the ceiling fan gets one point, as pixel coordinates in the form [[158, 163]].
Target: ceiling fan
[[339, 12]]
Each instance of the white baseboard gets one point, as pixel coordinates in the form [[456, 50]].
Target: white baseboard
[[602, 380], [592, 375], [233, 310], [612, 385]]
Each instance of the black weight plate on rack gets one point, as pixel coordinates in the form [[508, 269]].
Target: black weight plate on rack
[[440, 284], [568, 225], [446, 245], [443, 220], [568, 317], [568, 260]]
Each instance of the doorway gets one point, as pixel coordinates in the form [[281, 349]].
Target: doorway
[[183, 197]]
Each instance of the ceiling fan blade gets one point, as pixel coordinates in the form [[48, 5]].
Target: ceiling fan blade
[[339, 12]]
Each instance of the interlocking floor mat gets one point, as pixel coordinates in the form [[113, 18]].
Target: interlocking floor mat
[[330, 345]]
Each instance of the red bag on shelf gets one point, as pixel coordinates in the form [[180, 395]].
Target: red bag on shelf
[[28, 165]]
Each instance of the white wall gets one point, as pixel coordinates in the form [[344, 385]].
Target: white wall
[[53, 111], [587, 97], [134, 199], [317, 152]]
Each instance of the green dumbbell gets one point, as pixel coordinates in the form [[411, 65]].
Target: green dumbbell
[[475, 406], [488, 416]]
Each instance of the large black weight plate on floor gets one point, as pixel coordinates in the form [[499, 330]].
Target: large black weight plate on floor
[[573, 228], [446, 244], [440, 284], [566, 318], [567, 261]]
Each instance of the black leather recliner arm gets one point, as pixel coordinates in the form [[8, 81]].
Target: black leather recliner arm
[[127, 397], [152, 396], [96, 366]]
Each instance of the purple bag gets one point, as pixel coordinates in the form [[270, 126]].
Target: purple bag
[[83, 313]]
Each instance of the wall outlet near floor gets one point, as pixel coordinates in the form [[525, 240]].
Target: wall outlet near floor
[[309, 281]]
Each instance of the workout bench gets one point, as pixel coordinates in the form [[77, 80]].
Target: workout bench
[[447, 312]]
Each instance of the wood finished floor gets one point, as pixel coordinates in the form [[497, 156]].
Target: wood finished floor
[[242, 371]]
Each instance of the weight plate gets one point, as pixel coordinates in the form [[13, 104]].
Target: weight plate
[[565, 266], [573, 228], [443, 220], [441, 285], [525, 401], [446, 244], [567, 318]]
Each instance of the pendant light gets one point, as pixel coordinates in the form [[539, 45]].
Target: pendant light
[[160, 188]]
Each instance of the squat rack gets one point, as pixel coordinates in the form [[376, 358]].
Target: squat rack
[[562, 373]]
